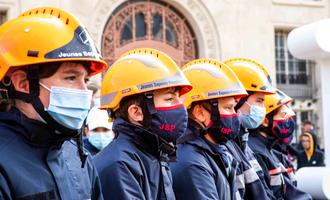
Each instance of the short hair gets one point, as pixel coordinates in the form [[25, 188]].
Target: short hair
[[205, 104], [126, 102]]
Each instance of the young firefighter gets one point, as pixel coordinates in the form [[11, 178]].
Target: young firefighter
[[204, 168], [46, 58], [251, 108], [278, 124], [141, 90]]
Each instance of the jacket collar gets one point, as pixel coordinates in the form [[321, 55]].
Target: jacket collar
[[34, 131], [269, 141], [195, 136], [144, 138]]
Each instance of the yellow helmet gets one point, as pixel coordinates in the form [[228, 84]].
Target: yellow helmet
[[274, 101], [44, 35], [210, 79], [138, 71], [252, 74]]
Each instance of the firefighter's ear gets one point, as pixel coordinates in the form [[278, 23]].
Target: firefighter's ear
[[200, 114], [135, 114], [20, 81]]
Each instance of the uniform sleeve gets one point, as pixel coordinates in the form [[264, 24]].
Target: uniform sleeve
[[4, 189], [265, 177], [264, 168], [256, 189], [255, 184], [269, 192], [194, 182], [120, 181]]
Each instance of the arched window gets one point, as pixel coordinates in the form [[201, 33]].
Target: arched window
[[148, 24]]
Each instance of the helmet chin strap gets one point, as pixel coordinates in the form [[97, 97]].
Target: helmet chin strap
[[241, 102], [148, 109], [214, 130]]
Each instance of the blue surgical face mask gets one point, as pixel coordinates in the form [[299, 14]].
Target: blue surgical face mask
[[68, 106], [100, 139], [253, 119]]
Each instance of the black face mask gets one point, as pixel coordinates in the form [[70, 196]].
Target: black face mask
[[283, 128], [223, 127], [229, 127], [287, 141], [170, 122]]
